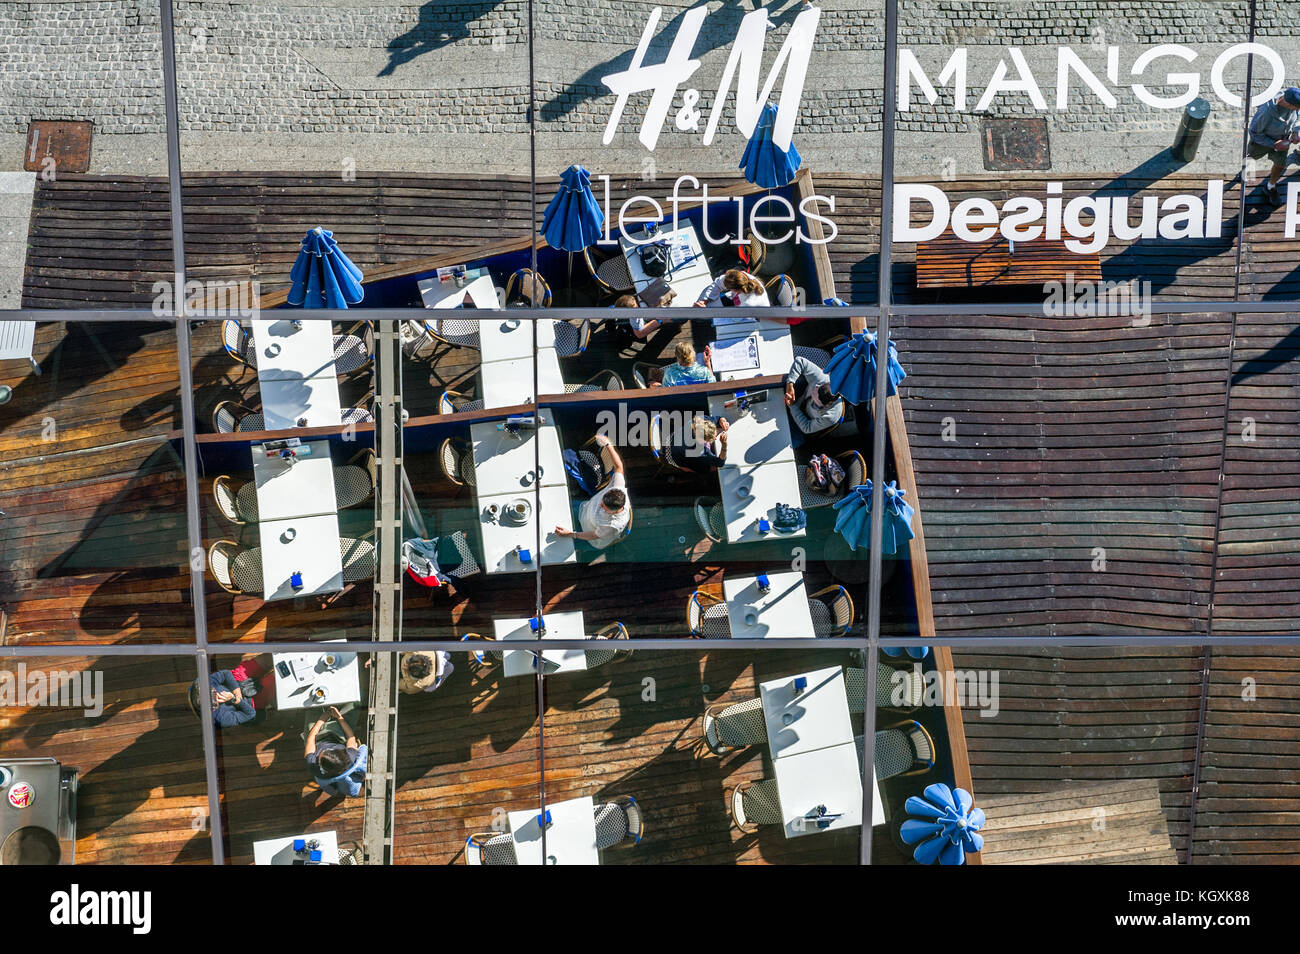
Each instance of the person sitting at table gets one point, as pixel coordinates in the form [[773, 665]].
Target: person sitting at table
[[813, 407], [643, 328], [339, 768], [606, 514], [687, 370], [424, 672], [734, 287], [226, 700], [704, 449]]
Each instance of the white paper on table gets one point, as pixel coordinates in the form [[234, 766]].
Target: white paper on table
[[740, 354]]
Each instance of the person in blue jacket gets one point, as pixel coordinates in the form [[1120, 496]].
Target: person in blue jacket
[[339, 768], [226, 699]]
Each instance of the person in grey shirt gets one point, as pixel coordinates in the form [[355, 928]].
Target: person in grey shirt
[[813, 407], [1275, 127]]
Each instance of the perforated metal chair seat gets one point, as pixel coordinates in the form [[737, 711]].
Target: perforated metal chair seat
[[822, 619], [593, 467], [611, 825], [855, 687], [246, 502], [251, 422], [715, 622], [817, 356], [469, 565], [358, 558], [246, 570], [903, 691], [569, 339], [461, 332], [893, 754], [712, 519], [736, 726], [350, 354], [357, 415], [352, 486], [616, 273], [500, 850], [758, 804]]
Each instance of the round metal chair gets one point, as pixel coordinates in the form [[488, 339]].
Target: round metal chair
[[600, 381], [221, 556], [707, 616], [832, 611], [457, 459], [711, 517], [452, 401], [358, 557], [855, 471], [354, 485], [599, 657], [229, 417], [619, 822], [457, 332], [736, 726], [351, 353], [489, 848], [754, 804], [572, 337], [246, 570]]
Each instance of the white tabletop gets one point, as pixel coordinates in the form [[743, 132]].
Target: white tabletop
[[314, 551], [775, 349], [571, 839], [782, 611], [17, 339], [279, 851], [817, 718], [505, 464], [300, 489], [307, 352], [509, 383], [505, 338], [521, 662], [439, 294], [341, 684], [760, 435], [687, 280], [829, 777], [285, 401], [750, 492], [499, 539]]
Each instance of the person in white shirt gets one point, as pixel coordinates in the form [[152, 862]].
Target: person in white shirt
[[606, 514], [735, 287]]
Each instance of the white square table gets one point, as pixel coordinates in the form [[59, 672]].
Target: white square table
[[751, 492], [520, 662], [775, 349], [314, 551], [279, 851], [306, 352], [782, 611], [286, 401], [510, 383], [301, 489], [500, 539], [817, 718], [342, 683], [504, 338], [760, 435], [688, 280], [570, 840], [830, 777], [436, 293], [505, 464]]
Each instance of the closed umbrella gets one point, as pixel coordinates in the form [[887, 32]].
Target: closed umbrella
[[764, 162], [573, 221], [322, 276], [854, 520], [852, 368], [945, 827]]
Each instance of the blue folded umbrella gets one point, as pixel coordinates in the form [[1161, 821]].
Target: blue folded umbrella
[[852, 368], [322, 275], [573, 221], [765, 163], [854, 520]]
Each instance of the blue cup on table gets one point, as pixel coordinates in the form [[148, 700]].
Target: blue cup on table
[[800, 684], [764, 584], [295, 579], [315, 857], [764, 525], [525, 555], [544, 819], [299, 845]]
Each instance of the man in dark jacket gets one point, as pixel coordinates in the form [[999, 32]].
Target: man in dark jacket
[[229, 706]]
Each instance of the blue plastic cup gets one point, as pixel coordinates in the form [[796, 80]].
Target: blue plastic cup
[[763, 581], [315, 857], [300, 844], [535, 623], [526, 556], [295, 580], [800, 683], [764, 525], [544, 819]]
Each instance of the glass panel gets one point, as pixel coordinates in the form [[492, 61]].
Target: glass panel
[[84, 208], [109, 757], [93, 539], [1039, 154], [626, 745]]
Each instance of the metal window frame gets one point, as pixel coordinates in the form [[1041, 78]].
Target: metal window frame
[[202, 648]]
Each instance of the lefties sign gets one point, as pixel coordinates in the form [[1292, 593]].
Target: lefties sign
[[1086, 222]]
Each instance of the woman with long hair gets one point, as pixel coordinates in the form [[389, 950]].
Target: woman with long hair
[[734, 287]]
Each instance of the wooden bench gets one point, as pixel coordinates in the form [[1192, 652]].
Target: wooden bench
[[950, 262]]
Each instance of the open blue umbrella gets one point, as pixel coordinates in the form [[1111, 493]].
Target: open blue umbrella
[[854, 520], [852, 368], [323, 277], [764, 162], [950, 827]]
